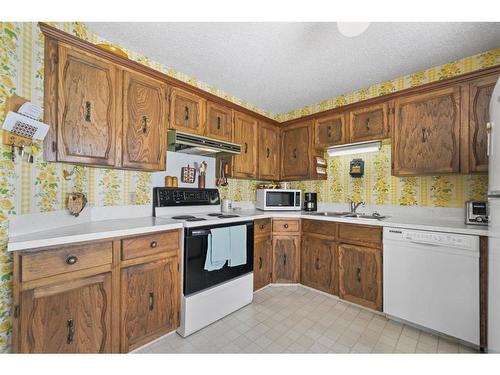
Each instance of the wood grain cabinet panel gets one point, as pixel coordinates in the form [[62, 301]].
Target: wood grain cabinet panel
[[262, 264], [480, 92], [262, 227], [144, 122], [330, 131], [219, 122], [149, 301], [86, 121], [71, 317], [286, 259], [360, 275], [296, 151], [187, 112], [268, 152], [245, 134], [426, 134], [369, 123], [318, 263]]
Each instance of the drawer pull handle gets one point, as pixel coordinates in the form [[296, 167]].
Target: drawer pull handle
[[329, 134], [218, 122], [268, 152], [294, 153], [316, 264], [424, 135], [151, 301], [186, 113], [145, 124], [358, 274], [70, 331], [261, 226], [153, 244], [87, 112], [246, 147], [260, 263], [71, 260], [284, 259], [285, 226], [368, 123]]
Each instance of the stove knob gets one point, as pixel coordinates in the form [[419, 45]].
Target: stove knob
[[479, 219]]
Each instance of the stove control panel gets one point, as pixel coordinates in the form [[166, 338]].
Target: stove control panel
[[168, 197]]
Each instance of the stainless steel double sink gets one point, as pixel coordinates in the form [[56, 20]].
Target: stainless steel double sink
[[374, 216]]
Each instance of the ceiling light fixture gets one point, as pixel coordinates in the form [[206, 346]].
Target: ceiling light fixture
[[355, 148], [352, 29]]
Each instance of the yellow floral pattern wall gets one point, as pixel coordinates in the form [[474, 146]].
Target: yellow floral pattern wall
[[40, 187]]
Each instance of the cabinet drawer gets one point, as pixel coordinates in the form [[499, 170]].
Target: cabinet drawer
[[324, 228], [150, 244], [72, 258], [262, 227], [286, 225], [361, 234]]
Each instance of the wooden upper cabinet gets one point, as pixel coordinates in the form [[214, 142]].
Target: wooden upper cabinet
[[149, 301], [187, 112], [480, 92], [144, 122], [69, 317], [426, 134], [369, 123], [86, 105], [360, 275], [245, 134], [330, 131], [268, 152], [219, 122], [296, 151]]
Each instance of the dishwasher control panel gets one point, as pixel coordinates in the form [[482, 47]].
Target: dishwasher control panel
[[462, 241]]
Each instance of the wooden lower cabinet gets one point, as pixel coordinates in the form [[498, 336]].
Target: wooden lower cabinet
[[286, 258], [318, 263], [67, 317], [360, 275], [149, 302], [263, 261]]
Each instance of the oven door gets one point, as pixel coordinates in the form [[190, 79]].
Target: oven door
[[196, 278], [283, 200]]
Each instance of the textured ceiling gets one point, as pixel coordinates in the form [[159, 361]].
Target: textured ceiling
[[284, 66]]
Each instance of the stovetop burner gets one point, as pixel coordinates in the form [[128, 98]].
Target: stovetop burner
[[227, 216], [214, 214], [183, 217], [196, 219]]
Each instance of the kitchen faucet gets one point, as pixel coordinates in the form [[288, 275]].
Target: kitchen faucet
[[354, 206]]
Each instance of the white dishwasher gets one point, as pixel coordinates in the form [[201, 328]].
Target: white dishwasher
[[432, 279]]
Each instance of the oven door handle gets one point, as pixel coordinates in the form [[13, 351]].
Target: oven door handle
[[203, 232]]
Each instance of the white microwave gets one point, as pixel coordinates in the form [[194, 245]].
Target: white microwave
[[279, 200]]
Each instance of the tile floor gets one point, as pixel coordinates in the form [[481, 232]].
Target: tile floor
[[294, 319]]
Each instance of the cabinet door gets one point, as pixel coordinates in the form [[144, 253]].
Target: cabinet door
[[71, 317], [245, 134], [426, 133], [144, 122], [187, 112], [330, 130], [369, 123], [318, 265], [86, 126], [262, 261], [360, 275], [479, 103], [268, 152], [149, 301], [219, 122], [286, 259], [296, 151]]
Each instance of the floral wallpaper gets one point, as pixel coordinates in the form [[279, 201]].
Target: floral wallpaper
[[41, 187]]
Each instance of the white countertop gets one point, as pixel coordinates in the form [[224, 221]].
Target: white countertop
[[102, 229], [91, 230]]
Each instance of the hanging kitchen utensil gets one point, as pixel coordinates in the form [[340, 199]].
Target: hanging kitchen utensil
[[188, 174], [76, 203], [201, 177]]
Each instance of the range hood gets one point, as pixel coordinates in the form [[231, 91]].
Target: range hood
[[199, 145]]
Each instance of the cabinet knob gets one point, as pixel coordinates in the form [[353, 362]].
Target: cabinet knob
[[285, 226], [71, 260], [268, 152], [151, 301], [358, 274], [153, 244], [424, 135], [246, 147], [218, 122], [260, 263], [88, 116], [70, 331], [316, 264], [368, 123], [284, 259], [294, 153], [144, 124], [261, 226]]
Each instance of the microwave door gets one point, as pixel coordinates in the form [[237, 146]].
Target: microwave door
[[280, 199]]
